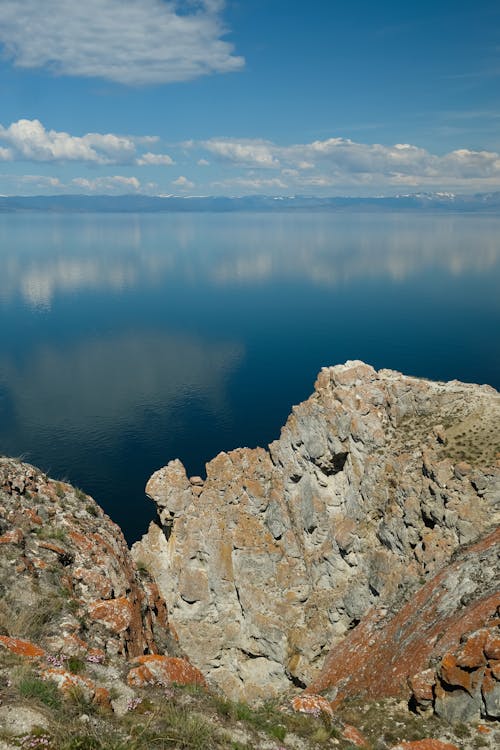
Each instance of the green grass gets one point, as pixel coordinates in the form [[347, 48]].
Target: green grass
[[43, 691], [51, 532], [75, 665], [34, 623]]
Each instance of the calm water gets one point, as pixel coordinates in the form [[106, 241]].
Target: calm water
[[128, 340]]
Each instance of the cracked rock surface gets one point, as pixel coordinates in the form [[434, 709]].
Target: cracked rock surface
[[375, 482]]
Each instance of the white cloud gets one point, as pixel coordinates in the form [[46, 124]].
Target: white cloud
[[183, 183], [127, 41], [116, 184], [41, 180], [253, 183], [333, 165], [341, 162], [154, 159], [254, 153], [29, 140]]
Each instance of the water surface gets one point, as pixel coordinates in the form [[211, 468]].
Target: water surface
[[128, 340]]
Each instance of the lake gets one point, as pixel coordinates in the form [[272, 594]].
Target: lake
[[128, 340]]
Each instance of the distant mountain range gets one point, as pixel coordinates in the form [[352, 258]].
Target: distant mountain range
[[449, 202]]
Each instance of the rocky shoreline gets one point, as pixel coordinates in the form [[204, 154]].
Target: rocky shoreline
[[354, 563], [376, 481]]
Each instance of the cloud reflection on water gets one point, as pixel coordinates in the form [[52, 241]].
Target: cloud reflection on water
[[112, 254], [104, 385]]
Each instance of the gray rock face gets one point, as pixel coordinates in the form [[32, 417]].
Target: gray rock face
[[21, 720], [375, 481]]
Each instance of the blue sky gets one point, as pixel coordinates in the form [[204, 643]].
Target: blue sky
[[277, 97]]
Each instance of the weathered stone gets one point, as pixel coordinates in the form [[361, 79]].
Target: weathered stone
[[378, 657], [171, 490], [471, 654], [312, 704], [69, 587], [67, 681], [21, 720], [454, 676], [422, 686], [13, 536], [280, 552], [457, 705], [21, 647], [491, 696], [492, 645], [163, 670], [116, 614], [354, 736]]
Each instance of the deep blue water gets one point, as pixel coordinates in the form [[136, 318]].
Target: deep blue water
[[128, 340]]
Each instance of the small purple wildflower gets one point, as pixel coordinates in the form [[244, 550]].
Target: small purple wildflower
[[57, 661], [30, 741], [132, 703], [95, 658]]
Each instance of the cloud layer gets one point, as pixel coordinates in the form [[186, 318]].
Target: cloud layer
[[232, 166], [341, 162], [337, 161], [127, 41]]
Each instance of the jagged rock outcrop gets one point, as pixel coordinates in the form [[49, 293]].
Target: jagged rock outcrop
[[83, 635], [377, 479], [388, 654], [465, 683], [71, 597], [65, 561]]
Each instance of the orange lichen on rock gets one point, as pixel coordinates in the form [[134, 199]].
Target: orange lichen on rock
[[492, 645], [80, 541], [116, 614], [21, 647], [164, 670], [377, 658], [312, 704], [471, 654], [462, 676], [482, 729], [453, 675], [95, 581], [34, 517], [67, 681], [141, 676], [422, 685], [14, 536], [39, 563], [495, 668], [53, 548], [354, 736]]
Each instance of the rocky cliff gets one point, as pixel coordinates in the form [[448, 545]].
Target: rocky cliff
[[375, 483], [88, 659]]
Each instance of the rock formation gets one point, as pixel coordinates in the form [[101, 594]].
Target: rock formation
[[71, 562], [375, 482], [69, 590], [452, 621]]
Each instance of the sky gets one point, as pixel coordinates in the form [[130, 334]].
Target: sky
[[245, 97]]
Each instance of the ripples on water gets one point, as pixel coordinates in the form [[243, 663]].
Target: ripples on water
[[128, 340]]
